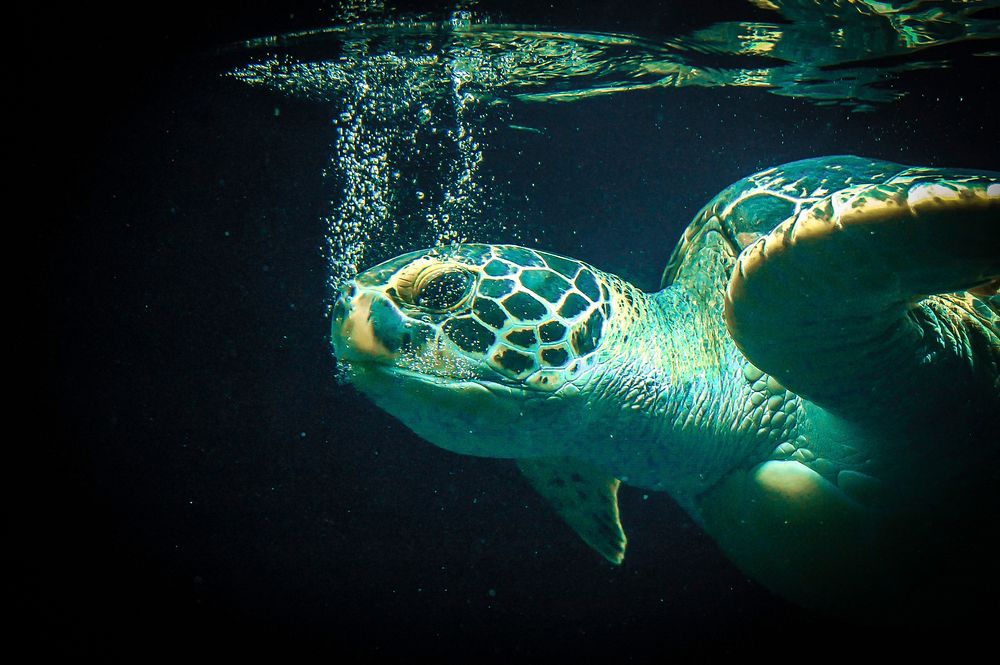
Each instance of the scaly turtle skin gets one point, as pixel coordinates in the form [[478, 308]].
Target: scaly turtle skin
[[817, 383]]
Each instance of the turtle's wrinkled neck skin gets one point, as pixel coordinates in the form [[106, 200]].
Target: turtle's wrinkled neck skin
[[663, 396]]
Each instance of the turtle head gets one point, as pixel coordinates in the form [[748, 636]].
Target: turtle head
[[479, 349]]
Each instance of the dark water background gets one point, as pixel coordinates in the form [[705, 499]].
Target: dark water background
[[199, 487]]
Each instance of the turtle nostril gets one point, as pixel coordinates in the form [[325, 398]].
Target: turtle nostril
[[340, 307]]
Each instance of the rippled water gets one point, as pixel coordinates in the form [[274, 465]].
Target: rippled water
[[414, 101]]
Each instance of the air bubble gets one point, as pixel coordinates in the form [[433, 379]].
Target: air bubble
[[407, 152]]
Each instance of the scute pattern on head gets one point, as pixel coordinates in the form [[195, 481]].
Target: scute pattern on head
[[551, 326], [526, 318]]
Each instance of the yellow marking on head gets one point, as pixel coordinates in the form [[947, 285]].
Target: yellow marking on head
[[405, 281], [358, 333]]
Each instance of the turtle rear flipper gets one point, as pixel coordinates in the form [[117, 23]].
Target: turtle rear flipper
[[844, 303]]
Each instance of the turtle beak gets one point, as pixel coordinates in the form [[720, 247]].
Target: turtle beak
[[353, 332]]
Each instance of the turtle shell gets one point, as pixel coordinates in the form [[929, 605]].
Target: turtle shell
[[753, 206]]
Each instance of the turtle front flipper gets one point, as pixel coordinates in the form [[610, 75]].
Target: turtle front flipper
[[861, 302], [585, 497]]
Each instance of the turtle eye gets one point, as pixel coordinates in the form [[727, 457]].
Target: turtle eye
[[443, 291], [433, 286]]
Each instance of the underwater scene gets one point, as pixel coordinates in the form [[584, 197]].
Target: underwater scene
[[474, 331]]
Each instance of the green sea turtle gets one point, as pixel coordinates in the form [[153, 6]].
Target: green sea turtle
[[816, 383]]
